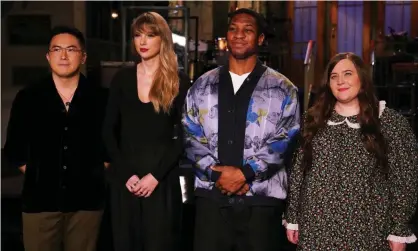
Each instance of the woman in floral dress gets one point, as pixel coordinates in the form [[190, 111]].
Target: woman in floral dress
[[353, 185]]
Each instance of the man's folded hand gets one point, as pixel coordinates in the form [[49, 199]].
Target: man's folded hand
[[231, 181]]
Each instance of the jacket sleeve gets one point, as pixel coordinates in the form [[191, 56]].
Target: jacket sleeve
[[264, 161], [103, 98], [16, 148], [195, 140]]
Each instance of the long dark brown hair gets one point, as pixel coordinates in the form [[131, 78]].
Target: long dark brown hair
[[368, 118]]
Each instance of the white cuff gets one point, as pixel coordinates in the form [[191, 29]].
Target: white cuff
[[290, 226], [408, 239]]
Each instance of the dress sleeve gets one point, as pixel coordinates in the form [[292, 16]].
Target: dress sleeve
[[295, 186], [111, 131], [403, 175], [174, 151], [291, 217]]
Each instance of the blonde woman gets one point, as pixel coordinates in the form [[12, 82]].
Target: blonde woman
[[143, 110]]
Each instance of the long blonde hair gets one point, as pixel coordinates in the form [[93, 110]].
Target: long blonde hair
[[165, 85]]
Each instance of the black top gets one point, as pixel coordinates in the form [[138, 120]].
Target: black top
[[233, 110], [63, 151], [139, 140]]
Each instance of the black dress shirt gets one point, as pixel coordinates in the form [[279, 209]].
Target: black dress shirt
[[63, 151]]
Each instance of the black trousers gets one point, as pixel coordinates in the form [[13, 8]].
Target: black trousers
[[237, 227]]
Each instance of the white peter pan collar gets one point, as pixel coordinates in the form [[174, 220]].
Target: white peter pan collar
[[355, 125]]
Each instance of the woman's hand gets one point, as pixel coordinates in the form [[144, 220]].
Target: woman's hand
[[146, 186], [397, 246], [132, 183], [292, 236]]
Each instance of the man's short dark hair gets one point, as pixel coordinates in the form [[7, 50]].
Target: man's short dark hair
[[259, 19], [57, 30]]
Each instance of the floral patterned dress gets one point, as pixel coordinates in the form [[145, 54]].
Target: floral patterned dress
[[343, 202]]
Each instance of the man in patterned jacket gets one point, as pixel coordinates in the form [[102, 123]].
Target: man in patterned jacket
[[238, 121]]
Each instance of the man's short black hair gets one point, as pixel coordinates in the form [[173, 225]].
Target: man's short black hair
[[259, 19], [57, 30]]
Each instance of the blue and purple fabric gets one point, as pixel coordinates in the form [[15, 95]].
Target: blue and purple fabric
[[272, 120]]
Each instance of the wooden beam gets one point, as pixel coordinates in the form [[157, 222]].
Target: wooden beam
[[290, 10], [414, 19], [290, 16], [366, 31], [334, 28], [380, 23], [320, 42]]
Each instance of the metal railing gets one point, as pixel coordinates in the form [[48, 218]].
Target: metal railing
[[395, 75]]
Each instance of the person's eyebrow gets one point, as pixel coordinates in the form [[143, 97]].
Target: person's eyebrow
[[57, 46], [334, 73], [246, 24]]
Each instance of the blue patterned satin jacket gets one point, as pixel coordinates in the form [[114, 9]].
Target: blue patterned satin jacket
[[272, 120]]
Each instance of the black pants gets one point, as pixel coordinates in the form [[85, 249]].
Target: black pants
[[237, 227]]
